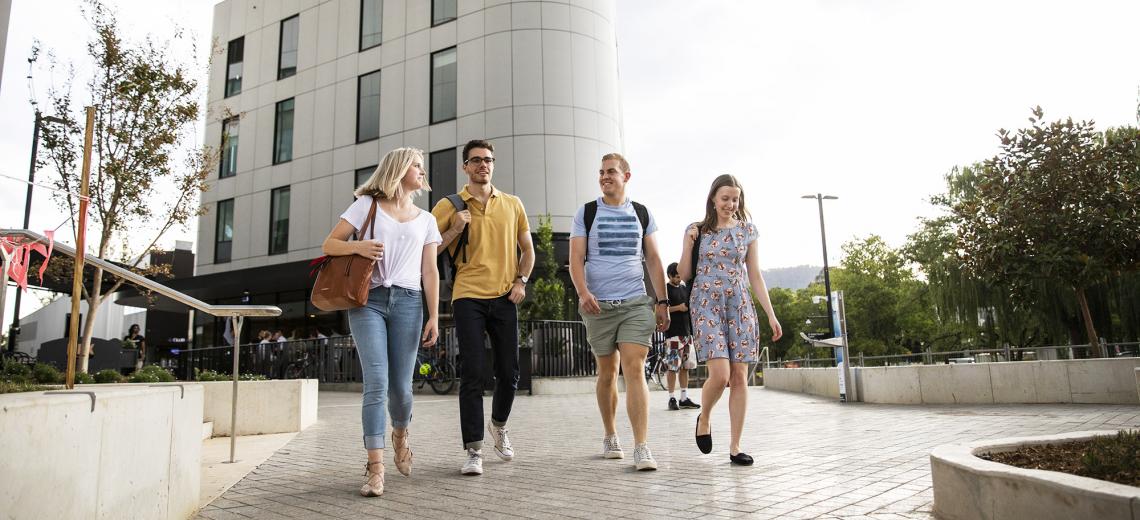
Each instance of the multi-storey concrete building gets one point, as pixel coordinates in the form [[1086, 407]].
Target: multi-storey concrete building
[[307, 95]]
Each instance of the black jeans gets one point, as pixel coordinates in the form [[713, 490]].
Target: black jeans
[[498, 317]]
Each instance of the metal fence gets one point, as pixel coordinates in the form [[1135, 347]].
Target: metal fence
[[557, 349], [1006, 353]]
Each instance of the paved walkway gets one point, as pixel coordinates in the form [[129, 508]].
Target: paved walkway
[[815, 458]]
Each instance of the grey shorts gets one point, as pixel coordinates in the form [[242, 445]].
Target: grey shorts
[[630, 321]]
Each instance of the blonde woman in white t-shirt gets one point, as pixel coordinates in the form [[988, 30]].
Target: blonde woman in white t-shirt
[[387, 330]]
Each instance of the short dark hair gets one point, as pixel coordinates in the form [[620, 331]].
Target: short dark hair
[[672, 269], [476, 143]]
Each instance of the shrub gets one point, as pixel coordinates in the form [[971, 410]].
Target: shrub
[[108, 375], [253, 377], [152, 374], [83, 378], [45, 374], [1114, 458], [208, 375], [16, 372]]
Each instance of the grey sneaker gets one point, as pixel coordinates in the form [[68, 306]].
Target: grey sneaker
[[502, 443], [474, 464], [643, 458], [611, 447]]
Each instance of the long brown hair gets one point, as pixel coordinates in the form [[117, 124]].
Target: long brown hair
[[708, 225]]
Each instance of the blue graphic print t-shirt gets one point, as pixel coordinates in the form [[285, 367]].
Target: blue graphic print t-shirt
[[613, 250]]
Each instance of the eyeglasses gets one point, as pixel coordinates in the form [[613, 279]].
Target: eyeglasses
[[480, 160]]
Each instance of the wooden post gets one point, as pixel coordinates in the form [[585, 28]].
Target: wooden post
[[80, 247]]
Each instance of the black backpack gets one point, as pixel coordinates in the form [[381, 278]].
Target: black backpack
[[445, 262], [694, 257]]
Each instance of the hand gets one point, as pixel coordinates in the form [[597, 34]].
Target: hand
[[662, 313], [589, 304], [431, 332], [460, 220], [518, 292], [370, 249], [682, 307], [776, 330]]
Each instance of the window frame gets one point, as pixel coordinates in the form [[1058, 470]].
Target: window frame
[[360, 33], [359, 82], [277, 130], [434, 196], [225, 138], [227, 93], [218, 232], [281, 74], [273, 209], [431, 86], [445, 20]]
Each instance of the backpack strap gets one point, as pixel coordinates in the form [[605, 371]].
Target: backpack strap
[[590, 213], [643, 217], [461, 244], [694, 257]]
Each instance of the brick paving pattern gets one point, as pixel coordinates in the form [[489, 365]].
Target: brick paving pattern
[[815, 458]]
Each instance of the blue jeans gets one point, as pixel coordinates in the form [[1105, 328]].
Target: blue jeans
[[387, 334]]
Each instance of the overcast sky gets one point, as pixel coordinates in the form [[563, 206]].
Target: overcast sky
[[870, 101]]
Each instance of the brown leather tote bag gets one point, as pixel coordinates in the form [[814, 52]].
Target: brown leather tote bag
[[342, 281]]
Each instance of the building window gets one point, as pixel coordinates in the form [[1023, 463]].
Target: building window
[[283, 132], [368, 107], [443, 85], [442, 166], [224, 234], [442, 11], [287, 46], [362, 175], [234, 55], [229, 147], [279, 221], [371, 19]]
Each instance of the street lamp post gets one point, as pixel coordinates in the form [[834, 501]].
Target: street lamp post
[[14, 331], [819, 197]]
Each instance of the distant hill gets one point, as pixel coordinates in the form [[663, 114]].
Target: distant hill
[[793, 278]]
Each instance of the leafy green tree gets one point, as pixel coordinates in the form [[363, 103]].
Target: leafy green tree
[[146, 173], [1059, 202], [547, 295]]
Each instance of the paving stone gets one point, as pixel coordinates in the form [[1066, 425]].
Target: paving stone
[[815, 458]]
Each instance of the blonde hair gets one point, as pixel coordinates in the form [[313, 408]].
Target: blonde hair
[[385, 181], [614, 156]]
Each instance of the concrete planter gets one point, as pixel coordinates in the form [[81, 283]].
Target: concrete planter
[[277, 406], [967, 487], [112, 452], [1106, 381]]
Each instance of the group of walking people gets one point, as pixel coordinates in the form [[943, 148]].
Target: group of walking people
[[487, 235]]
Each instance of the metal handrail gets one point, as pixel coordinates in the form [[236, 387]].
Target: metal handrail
[[237, 312], [137, 279]]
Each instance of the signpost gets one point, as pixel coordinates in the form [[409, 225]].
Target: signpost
[[839, 344]]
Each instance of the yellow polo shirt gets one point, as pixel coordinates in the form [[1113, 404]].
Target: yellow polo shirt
[[492, 243]]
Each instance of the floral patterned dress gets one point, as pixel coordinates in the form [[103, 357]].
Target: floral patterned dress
[[724, 319]]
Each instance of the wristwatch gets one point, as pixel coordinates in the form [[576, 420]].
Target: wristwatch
[[523, 279], [663, 302]]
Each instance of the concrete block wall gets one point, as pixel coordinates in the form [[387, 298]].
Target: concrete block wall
[[115, 452], [1108, 381], [280, 406]]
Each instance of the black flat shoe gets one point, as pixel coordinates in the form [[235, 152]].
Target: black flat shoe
[[741, 459], [704, 442]]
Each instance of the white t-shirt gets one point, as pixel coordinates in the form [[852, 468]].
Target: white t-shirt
[[403, 243]]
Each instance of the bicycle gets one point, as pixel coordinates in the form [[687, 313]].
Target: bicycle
[[433, 366], [658, 361], [304, 367]]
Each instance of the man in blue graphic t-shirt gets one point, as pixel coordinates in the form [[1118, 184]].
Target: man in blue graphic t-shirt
[[606, 266]]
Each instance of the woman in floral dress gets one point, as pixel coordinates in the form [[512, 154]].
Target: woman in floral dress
[[725, 329]]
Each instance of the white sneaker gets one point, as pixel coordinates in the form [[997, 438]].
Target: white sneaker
[[474, 464], [643, 458], [502, 443], [611, 447]]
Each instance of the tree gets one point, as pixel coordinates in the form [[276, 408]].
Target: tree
[[547, 294], [1058, 202], [146, 108]]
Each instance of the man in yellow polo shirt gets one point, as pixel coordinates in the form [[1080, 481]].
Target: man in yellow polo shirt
[[490, 282]]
